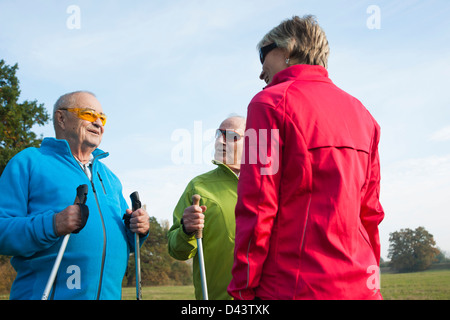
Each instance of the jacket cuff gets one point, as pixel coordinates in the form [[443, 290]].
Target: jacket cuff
[[143, 237], [186, 234], [45, 229]]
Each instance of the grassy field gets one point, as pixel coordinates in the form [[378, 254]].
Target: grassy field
[[428, 285], [161, 293]]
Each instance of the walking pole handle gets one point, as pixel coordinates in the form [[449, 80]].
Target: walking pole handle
[[82, 192], [135, 202], [196, 202]]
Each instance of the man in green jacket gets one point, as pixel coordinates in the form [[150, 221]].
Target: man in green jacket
[[215, 215]]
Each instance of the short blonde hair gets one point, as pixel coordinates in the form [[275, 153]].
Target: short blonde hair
[[303, 39]]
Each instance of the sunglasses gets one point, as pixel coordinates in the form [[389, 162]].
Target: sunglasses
[[263, 51], [230, 134], [87, 114]]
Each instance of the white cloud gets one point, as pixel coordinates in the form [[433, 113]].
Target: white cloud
[[441, 135]]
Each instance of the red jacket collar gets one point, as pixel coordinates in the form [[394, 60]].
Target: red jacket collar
[[300, 72]]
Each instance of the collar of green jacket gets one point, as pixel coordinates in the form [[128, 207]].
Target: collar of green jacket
[[225, 168]]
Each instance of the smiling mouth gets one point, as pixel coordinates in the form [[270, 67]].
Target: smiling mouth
[[93, 132]]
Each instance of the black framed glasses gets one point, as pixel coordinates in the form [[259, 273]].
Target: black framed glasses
[[228, 134], [263, 51]]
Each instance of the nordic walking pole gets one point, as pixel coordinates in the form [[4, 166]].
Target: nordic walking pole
[[199, 236], [82, 192], [136, 204]]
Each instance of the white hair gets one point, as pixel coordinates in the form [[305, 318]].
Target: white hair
[[66, 101]]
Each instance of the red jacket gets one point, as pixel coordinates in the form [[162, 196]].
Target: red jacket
[[308, 195]]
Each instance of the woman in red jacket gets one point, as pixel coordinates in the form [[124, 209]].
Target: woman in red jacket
[[308, 206]]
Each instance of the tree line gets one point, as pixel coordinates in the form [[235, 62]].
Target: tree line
[[413, 250]]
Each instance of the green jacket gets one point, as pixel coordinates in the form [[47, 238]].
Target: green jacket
[[218, 191]]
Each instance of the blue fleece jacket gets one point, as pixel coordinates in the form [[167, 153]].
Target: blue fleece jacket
[[35, 185]]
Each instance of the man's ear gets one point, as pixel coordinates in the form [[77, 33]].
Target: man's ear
[[60, 119]]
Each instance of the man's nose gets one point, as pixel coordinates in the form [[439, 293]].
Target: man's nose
[[261, 76], [221, 139], [98, 123]]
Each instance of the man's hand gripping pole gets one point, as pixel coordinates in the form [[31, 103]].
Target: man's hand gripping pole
[[199, 235], [80, 199]]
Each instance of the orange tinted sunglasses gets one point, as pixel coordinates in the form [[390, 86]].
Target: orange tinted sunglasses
[[230, 134], [87, 114]]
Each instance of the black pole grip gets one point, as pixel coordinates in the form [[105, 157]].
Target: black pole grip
[[135, 202], [82, 192], [81, 198]]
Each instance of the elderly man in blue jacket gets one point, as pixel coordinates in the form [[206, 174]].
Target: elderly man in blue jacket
[[37, 192]]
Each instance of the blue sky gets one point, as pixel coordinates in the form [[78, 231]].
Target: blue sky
[[164, 67]]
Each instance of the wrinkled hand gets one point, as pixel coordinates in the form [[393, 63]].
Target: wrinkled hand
[[193, 218], [139, 222], [69, 220]]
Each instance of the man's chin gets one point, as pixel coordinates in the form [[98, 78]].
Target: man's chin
[[93, 143], [220, 157]]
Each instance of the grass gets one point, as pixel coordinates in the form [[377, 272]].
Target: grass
[[161, 293], [427, 285]]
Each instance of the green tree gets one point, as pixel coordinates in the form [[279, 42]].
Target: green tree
[[16, 119], [16, 122], [411, 250], [442, 256]]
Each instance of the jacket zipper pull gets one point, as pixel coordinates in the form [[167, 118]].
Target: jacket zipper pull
[[101, 181]]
